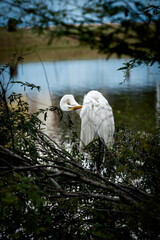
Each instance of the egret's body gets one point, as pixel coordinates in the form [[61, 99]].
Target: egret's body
[[96, 117]]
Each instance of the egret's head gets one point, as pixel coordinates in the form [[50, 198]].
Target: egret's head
[[68, 103]]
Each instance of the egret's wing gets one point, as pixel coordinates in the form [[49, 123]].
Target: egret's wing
[[96, 120], [87, 130], [105, 121]]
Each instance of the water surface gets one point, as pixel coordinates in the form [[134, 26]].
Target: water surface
[[135, 103]]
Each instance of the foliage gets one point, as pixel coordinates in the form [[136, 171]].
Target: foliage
[[96, 194], [134, 30], [12, 24], [26, 84]]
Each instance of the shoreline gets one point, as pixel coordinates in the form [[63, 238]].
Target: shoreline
[[36, 48]]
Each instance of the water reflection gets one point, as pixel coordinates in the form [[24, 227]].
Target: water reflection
[[133, 102]]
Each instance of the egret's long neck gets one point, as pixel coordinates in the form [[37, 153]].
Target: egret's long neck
[[78, 111]]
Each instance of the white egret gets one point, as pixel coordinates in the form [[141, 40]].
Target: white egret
[[96, 117]]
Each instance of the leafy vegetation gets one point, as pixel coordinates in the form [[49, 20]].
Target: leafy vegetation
[[135, 34], [96, 194]]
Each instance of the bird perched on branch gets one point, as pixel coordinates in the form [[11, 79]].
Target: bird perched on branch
[[96, 117]]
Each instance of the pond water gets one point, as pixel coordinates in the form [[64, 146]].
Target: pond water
[[135, 102]]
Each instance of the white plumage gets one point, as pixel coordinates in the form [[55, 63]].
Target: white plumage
[[96, 117]]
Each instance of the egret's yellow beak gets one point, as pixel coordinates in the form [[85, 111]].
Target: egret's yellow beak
[[75, 107]]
